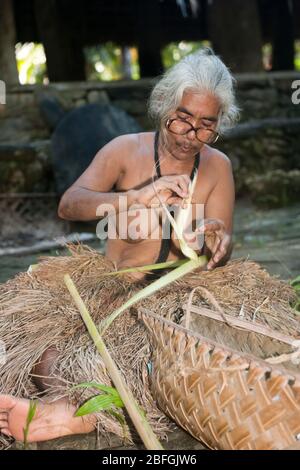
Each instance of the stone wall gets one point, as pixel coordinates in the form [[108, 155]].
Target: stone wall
[[267, 140]]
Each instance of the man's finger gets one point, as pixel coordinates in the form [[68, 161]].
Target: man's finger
[[174, 200], [209, 227], [220, 251], [216, 246], [214, 255], [184, 184]]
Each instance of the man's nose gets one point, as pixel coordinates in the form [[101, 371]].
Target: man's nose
[[191, 134]]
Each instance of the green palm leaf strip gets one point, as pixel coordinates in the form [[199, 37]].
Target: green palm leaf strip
[[29, 418], [158, 284], [99, 403], [107, 401], [101, 387], [295, 283], [147, 267]]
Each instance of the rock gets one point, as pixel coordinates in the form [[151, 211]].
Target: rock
[[276, 188], [25, 167], [79, 136], [134, 106], [51, 109], [80, 102], [100, 97]]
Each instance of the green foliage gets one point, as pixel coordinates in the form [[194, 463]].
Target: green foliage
[[295, 283], [31, 63], [297, 55], [267, 56], [109, 400], [105, 62], [29, 418], [175, 51]]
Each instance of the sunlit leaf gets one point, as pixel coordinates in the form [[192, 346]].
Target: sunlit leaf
[[29, 418], [99, 403], [103, 388]]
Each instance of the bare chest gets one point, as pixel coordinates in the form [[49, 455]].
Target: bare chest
[[141, 171]]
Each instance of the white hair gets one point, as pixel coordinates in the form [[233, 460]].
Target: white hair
[[199, 72]]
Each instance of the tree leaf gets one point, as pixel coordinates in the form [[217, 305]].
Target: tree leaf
[[104, 388], [99, 403], [29, 418]]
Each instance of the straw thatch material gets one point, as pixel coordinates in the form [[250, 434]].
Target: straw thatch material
[[36, 312]]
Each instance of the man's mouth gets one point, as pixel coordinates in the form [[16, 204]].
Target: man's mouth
[[186, 148]]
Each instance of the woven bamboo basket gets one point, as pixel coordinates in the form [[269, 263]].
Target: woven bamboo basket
[[224, 398]]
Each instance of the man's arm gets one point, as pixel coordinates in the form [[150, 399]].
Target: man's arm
[[91, 198], [93, 187], [219, 214]]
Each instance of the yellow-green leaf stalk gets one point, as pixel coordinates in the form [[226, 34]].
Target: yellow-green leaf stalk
[[148, 267], [136, 414], [163, 281], [181, 220]]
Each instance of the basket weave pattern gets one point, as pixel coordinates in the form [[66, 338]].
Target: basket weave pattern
[[225, 399]]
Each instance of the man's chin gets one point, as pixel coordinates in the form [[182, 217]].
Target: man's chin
[[186, 154]]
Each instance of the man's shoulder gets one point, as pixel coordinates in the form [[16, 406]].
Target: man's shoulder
[[123, 142], [121, 149], [129, 141], [130, 149], [214, 157]]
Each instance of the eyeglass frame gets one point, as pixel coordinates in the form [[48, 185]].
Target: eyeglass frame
[[192, 128]]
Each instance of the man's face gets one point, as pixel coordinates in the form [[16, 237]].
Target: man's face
[[200, 110]]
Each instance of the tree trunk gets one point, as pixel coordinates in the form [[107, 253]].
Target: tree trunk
[[148, 34], [235, 32], [282, 36], [62, 43], [8, 64]]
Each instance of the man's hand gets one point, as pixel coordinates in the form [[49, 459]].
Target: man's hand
[[217, 240], [171, 190]]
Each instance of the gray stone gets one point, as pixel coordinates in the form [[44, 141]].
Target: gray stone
[[98, 96], [132, 106], [79, 103], [275, 188], [79, 136]]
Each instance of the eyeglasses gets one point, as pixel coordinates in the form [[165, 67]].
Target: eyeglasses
[[181, 127]]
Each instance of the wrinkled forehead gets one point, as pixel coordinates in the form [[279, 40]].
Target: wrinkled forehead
[[199, 104]]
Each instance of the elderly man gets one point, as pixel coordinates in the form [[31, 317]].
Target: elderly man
[[191, 104]]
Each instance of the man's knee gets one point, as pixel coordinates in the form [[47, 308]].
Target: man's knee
[[42, 371]]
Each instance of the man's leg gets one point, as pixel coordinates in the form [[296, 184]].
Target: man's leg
[[42, 371], [51, 420]]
